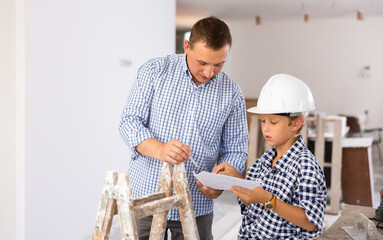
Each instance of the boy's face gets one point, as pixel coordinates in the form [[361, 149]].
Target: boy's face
[[278, 130]]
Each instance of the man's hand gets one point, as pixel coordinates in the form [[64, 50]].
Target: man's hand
[[207, 191], [226, 169], [175, 152]]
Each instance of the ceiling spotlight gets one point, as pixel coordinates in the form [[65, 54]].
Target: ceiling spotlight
[[258, 20], [359, 16], [306, 17]]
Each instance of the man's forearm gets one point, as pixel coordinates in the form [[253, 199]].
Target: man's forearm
[[151, 147]]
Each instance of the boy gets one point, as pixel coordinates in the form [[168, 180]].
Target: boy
[[292, 200]]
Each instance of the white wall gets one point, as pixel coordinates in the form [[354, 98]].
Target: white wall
[[7, 119], [327, 54], [12, 119], [75, 90]]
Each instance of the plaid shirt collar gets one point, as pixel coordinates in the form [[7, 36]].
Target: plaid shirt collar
[[284, 161]]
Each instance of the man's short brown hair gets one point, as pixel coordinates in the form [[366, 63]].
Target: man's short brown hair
[[212, 31]]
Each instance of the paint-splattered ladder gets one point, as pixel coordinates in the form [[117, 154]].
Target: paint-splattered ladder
[[117, 199]]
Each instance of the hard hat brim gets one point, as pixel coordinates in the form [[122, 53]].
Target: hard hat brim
[[259, 110]]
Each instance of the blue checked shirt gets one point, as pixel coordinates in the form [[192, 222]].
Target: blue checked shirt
[[165, 104], [296, 179]]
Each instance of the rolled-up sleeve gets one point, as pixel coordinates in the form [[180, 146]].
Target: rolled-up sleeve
[[311, 193], [235, 134], [133, 126]]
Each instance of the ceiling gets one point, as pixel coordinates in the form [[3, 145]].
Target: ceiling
[[276, 9]]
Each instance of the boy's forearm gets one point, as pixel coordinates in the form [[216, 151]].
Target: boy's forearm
[[294, 215], [289, 212]]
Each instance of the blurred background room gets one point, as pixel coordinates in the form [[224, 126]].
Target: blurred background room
[[66, 68]]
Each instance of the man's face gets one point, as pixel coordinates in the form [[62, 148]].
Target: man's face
[[205, 63]]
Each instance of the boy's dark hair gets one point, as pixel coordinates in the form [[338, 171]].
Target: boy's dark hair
[[212, 31]]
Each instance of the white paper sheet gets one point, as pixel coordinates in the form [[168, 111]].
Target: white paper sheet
[[223, 182]]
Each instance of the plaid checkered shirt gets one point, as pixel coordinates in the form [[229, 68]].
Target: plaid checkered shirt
[[296, 179], [165, 104]]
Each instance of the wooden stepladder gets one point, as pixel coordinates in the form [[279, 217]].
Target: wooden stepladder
[[117, 199]]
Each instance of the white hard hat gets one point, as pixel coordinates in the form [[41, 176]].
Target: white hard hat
[[284, 94]]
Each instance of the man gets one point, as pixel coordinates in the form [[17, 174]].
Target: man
[[182, 106]]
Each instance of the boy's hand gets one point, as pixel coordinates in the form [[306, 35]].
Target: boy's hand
[[208, 192], [226, 169], [255, 195]]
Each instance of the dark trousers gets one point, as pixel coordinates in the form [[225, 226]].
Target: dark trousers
[[204, 225]]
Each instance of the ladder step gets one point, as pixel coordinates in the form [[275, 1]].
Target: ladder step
[[327, 164], [158, 206], [148, 198]]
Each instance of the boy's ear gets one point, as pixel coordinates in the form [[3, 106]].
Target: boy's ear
[[297, 123]]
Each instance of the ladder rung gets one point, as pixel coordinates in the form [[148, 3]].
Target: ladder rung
[[326, 164], [148, 198], [158, 206]]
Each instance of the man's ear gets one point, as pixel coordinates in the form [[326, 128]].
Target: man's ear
[[186, 46], [297, 123]]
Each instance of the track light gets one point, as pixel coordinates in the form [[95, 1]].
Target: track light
[[306, 17], [359, 16], [258, 20]]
